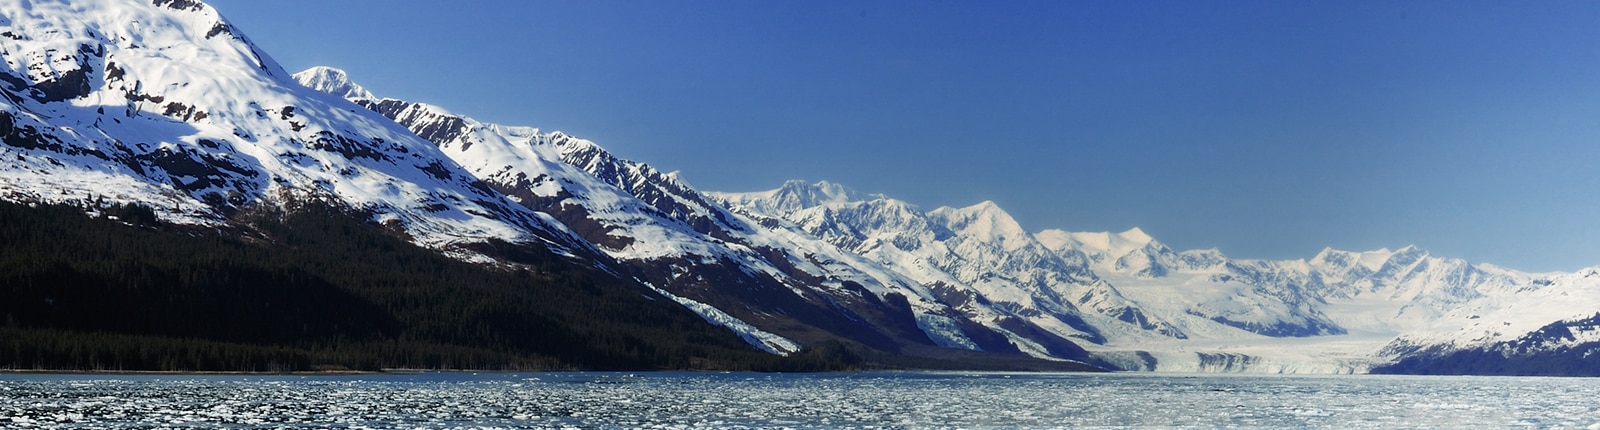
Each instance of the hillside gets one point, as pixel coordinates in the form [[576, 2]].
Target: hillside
[[317, 290], [177, 200]]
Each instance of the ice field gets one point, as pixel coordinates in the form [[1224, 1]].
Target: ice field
[[745, 400]]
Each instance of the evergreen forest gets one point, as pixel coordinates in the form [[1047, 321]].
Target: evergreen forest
[[114, 289]]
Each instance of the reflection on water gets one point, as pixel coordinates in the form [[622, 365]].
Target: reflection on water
[[746, 400]]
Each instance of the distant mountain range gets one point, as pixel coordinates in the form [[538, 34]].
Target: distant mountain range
[[165, 104]]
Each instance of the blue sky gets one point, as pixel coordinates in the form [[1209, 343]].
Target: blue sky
[[1266, 129]]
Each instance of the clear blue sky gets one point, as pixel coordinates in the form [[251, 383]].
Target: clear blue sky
[[1266, 129]]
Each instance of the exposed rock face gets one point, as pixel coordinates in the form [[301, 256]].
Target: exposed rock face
[[166, 104]]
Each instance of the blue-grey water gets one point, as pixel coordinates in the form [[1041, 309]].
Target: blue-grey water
[[747, 400]]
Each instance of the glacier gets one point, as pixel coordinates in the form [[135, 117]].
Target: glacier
[[167, 104], [1146, 306]]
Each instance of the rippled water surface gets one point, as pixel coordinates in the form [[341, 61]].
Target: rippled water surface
[[742, 400]]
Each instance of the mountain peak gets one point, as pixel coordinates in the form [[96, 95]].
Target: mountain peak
[[819, 193], [332, 81], [1135, 235], [166, 103], [985, 206], [983, 209], [794, 195], [985, 219], [1106, 244]]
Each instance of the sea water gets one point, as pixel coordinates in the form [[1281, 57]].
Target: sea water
[[828, 400]]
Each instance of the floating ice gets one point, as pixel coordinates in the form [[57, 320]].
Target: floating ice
[[744, 400]]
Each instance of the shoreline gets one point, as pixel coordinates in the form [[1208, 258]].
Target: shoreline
[[193, 372]]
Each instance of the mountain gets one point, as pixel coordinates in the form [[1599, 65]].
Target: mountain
[[1548, 351], [163, 124], [318, 289], [167, 104], [771, 281], [165, 108], [806, 262], [226, 199], [1134, 303]]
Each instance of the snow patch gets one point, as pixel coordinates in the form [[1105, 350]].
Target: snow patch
[[759, 338]]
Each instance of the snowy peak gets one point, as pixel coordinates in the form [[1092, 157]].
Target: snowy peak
[[1132, 251], [332, 81], [1135, 236], [822, 192], [1373, 261], [985, 221], [165, 103], [1124, 242], [849, 219], [49, 43], [794, 196], [677, 240], [573, 179], [1381, 266], [1106, 244]]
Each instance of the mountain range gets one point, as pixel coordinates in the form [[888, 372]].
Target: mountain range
[[165, 105]]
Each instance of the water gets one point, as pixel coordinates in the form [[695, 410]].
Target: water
[[744, 400]]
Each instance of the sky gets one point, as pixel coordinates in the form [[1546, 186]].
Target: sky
[[1265, 129]]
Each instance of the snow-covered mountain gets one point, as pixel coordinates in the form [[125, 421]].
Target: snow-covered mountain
[[1135, 302], [164, 103], [762, 271], [806, 261]]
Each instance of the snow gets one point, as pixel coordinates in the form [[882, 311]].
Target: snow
[[171, 88], [768, 342], [793, 196], [1134, 293], [182, 81], [572, 172], [332, 81], [1343, 308], [987, 222]]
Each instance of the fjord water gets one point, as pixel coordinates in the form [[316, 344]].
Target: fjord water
[[747, 400]]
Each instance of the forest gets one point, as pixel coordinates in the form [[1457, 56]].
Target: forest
[[111, 288]]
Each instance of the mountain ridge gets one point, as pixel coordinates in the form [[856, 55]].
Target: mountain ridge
[[1059, 292], [1316, 298], [188, 116], [693, 243], [167, 105]]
